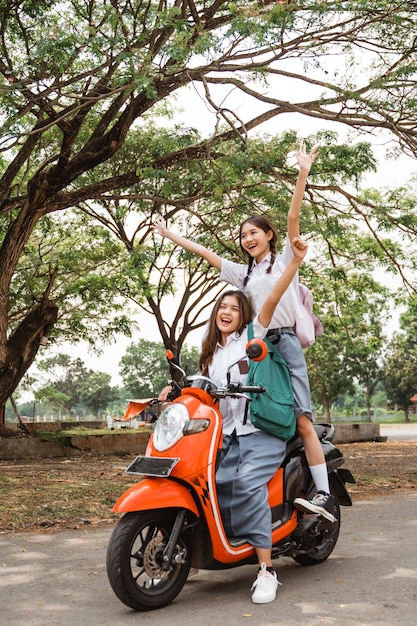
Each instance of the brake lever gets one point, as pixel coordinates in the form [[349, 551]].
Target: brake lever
[[240, 395]]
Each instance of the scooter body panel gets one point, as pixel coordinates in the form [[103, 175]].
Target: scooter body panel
[[195, 452], [156, 493]]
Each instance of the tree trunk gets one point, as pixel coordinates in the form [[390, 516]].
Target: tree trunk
[[22, 425], [22, 347], [368, 404], [326, 406]]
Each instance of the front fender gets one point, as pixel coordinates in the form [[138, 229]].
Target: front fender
[[155, 493]]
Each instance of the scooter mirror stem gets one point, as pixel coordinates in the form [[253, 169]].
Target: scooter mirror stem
[[171, 360], [228, 376]]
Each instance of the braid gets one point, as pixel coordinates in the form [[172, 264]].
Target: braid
[[265, 224], [271, 263], [250, 266]]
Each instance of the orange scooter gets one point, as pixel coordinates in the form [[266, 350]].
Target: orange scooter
[[171, 516]]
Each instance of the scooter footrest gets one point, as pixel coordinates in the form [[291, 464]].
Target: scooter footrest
[[236, 542]]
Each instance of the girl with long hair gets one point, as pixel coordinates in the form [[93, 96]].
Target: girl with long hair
[[249, 456]]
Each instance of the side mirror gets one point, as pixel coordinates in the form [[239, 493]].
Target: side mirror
[[256, 349]]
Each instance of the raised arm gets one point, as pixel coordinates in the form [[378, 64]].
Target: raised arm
[[159, 227], [299, 249], [305, 162]]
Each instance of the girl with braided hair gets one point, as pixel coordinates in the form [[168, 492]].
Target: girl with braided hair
[[265, 224], [258, 241]]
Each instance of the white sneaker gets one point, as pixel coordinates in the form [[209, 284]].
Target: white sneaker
[[265, 586]]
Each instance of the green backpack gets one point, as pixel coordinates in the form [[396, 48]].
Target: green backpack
[[272, 410]]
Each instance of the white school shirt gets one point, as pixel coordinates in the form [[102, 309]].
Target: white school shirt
[[233, 409], [260, 284]]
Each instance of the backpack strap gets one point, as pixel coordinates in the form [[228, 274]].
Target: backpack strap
[[245, 415], [270, 349]]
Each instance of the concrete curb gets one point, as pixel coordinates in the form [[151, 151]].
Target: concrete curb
[[36, 448], [350, 433], [133, 443]]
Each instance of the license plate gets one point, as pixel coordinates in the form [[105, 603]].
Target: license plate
[[152, 466]]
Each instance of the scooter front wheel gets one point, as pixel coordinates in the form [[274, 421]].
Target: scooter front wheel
[[134, 560]]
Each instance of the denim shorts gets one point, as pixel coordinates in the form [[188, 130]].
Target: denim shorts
[[290, 349]]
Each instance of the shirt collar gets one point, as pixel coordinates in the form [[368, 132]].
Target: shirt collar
[[265, 260], [232, 337]]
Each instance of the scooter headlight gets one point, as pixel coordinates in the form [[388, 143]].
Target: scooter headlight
[[170, 425]]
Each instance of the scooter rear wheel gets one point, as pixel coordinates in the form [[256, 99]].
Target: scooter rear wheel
[[134, 560], [325, 541]]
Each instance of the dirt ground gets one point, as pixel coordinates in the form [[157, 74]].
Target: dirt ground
[[52, 494]]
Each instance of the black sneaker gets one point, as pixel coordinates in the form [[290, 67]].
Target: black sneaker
[[321, 504]]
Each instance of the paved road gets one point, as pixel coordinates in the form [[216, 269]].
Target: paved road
[[399, 431], [59, 579]]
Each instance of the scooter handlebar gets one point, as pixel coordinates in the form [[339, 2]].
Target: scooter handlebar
[[236, 390], [252, 389]]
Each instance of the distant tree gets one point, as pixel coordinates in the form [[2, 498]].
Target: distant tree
[[363, 352], [64, 378], [56, 400], [400, 374], [329, 378], [96, 392], [400, 363], [70, 385], [144, 367], [348, 352], [379, 398], [408, 322]]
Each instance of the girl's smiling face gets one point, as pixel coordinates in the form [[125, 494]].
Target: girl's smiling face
[[255, 241], [228, 317]]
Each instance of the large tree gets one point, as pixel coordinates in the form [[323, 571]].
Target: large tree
[[79, 76]]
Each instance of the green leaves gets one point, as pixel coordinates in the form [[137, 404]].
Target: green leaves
[[70, 386], [144, 367], [400, 364], [78, 265], [89, 135], [349, 352]]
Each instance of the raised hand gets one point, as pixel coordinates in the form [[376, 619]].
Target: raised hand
[[159, 227], [299, 248], [305, 160]]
